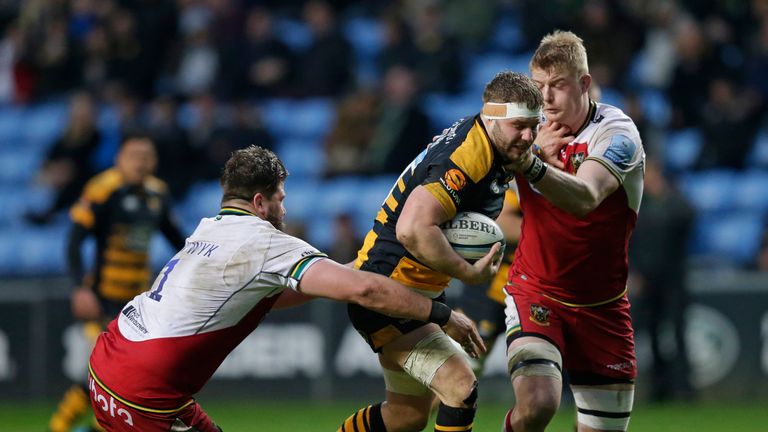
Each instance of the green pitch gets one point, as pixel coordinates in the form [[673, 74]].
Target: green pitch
[[287, 416]]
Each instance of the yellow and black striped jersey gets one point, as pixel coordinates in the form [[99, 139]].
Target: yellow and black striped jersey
[[122, 218], [464, 172]]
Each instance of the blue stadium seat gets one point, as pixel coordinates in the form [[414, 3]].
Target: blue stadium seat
[[612, 96], [656, 107], [508, 35], [202, 200], [758, 156], [443, 109], [160, 251], [709, 191], [750, 191], [682, 149], [302, 157], [732, 238], [302, 197], [366, 36], [33, 251], [305, 118], [15, 200], [293, 33], [11, 127], [481, 69], [340, 195], [320, 232], [44, 123], [372, 195], [19, 166]]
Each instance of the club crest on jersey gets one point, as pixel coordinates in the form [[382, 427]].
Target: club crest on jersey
[[576, 160], [539, 315]]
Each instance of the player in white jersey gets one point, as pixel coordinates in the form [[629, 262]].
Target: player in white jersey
[[235, 267], [567, 306]]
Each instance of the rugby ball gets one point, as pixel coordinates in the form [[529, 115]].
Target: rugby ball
[[473, 234]]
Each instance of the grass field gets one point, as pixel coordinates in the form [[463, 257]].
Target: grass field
[[279, 416]]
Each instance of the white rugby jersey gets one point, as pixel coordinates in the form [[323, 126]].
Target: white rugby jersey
[[583, 261], [166, 343]]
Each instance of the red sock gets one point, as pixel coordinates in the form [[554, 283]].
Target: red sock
[[508, 422]]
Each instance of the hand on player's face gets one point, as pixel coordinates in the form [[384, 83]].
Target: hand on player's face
[[464, 331], [551, 138]]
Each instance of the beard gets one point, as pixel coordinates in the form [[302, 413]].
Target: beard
[[276, 222]]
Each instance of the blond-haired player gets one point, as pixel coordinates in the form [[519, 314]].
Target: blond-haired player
[[566, 304]]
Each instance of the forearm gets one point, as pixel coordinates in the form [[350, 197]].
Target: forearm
[[428, 244], [74, 257], [568, 192]]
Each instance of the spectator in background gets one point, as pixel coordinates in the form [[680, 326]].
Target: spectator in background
[[398, 47], [125, 65], [244, 130], [729, 122], [347, 143], [122, 208], [403, 129], [265, 63], [346, 242], [174, 153], [657, 255], [325, 68], [56, 59], [95, 68], [437, 53], [604, 26], [68, 164], [690, 75], [199, 62]]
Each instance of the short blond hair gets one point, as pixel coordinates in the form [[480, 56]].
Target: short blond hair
[[561, 51]]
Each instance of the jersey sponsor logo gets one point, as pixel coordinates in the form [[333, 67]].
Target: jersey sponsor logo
[[455, 179], [134, 317], [108, 404], [620, 151], [627, 365], [540, 315]]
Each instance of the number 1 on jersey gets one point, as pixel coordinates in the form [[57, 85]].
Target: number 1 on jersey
[[155, 295]]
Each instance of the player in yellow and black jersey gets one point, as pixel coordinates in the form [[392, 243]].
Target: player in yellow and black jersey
[[121, 208], [463, 170]]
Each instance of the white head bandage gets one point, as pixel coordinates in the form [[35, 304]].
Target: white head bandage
[[500, 111]]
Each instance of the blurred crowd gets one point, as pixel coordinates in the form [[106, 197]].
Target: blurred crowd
[[196, 74]]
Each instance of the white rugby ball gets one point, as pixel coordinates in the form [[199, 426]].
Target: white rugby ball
[[473, 234]]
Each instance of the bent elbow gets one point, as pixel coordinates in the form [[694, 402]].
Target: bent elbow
[[406, 237], [365, 293]]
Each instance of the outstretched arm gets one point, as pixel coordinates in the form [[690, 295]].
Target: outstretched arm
[[384, 295]]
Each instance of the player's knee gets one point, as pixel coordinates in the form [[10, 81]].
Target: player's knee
[[537, 409], [461, 389], [463, 393]]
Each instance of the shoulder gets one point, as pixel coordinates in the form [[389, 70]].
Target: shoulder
[[609, 117], [156, 185], [473, 152], [100, 187]]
